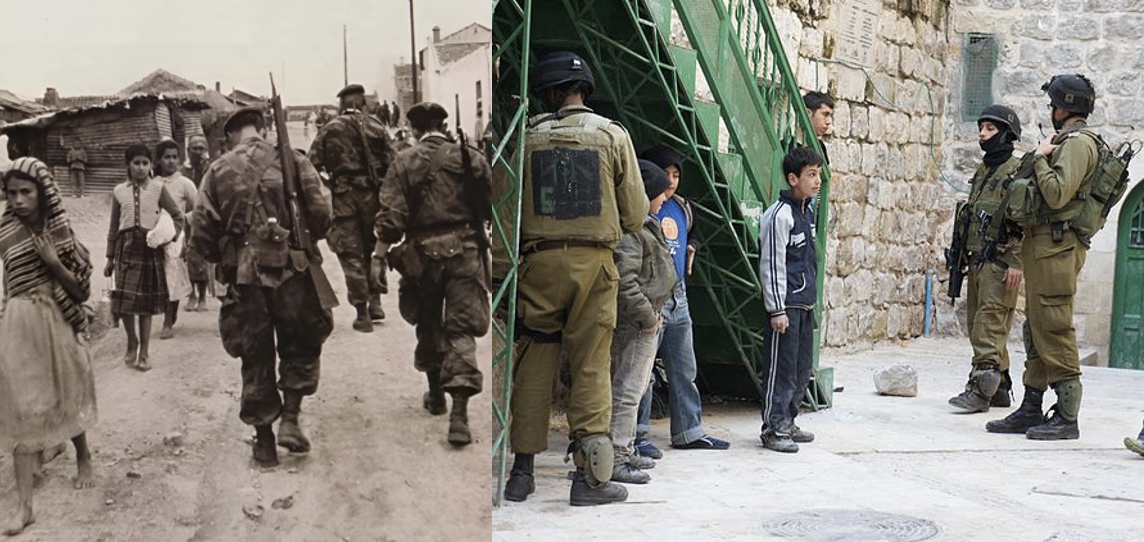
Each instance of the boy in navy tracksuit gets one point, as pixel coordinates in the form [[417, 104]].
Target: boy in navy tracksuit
[[788, 267]]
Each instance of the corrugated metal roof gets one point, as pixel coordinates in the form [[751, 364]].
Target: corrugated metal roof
[[14, 102]]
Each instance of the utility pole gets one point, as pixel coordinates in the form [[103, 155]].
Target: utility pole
[[345, 59], [413, 48]]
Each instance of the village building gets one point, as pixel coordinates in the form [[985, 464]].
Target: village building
[[457, 69], [161, 105]]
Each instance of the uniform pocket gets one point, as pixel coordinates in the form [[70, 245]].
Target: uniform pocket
[[1056, 267]]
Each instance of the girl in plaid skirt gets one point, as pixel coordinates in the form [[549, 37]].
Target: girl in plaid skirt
[[140, 285]]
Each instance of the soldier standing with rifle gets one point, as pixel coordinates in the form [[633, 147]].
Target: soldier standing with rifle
[[353, 153], [259, 214], [993, 282], [436, 201]]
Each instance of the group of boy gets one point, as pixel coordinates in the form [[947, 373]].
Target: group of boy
[[603, 268]]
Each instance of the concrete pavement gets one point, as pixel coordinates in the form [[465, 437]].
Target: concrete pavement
[[882, 468]]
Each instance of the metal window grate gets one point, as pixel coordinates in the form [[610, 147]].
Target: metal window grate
[[1136, 230], [980, 62]]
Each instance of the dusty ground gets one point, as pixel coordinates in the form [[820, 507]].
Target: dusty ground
[[380, 468], [882, 468]]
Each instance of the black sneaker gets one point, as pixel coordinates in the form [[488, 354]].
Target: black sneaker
[[703, 443]]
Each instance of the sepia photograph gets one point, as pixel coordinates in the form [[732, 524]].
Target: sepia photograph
[[824, 270], [245, 270]]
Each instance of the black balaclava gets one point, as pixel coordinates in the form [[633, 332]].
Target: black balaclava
[[998, 148]]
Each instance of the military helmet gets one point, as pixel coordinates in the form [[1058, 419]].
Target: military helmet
[[1072, 92], [559, 68], [1000, 114]]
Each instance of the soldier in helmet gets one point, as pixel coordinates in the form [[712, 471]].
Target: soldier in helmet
[[581, 191], [1054, 250], [993, 284], [353, 152], [271, 295]]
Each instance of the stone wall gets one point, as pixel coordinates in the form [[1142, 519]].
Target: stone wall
[[890, 212], [1101, 39]]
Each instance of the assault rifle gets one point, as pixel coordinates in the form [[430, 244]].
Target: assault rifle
[[479, 196], [956, 258], [299, 226]]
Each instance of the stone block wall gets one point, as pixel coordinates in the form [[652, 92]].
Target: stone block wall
[[1102, 39], [889, 209]]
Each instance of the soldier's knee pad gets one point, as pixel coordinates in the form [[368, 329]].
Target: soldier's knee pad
[[595, 456], [987, 378]]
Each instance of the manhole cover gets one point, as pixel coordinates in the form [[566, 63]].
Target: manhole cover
[[852, 525]]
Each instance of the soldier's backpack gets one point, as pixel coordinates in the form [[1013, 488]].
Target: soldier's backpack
[[1088, 211]]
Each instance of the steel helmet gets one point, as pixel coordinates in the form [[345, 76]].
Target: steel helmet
[[999, 114], [559, 68], [1073, 93]]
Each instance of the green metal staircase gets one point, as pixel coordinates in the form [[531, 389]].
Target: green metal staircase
[[649, 85]]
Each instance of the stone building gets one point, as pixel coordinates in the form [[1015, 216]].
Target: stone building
[[458, 67]]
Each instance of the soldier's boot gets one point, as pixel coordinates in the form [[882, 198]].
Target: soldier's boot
[[375, 311], [434, 399], [290, 434], [520, 482], [1063, 423], [363, 322], [584, 494], [265, 453], [1004, 396], [1029, 414], [984, 381], [459, 421]]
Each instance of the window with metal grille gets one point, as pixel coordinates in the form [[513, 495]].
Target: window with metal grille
[[980, 62]]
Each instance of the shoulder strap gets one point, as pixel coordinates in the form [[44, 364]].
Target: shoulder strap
[[417, 188]]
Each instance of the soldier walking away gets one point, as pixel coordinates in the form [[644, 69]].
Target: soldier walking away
[[259, 223], [1056, 235], [77, 166], [1135, 444], [435, 200], [353, 153], [582, 191], [993, 284], [384, 114], [396, 112]]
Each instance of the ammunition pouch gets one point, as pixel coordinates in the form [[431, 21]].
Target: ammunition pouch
[[268, 246], [594, 455], [405, 260]]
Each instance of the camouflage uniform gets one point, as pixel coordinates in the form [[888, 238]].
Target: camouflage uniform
[[424, 201], [337, 151], [263, 304]]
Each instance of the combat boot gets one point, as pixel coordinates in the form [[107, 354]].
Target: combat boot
[[520, 482], [375, 311], [459, 421], [362, 323], [434, 399], [1029, 414], [1004, 396], [290, 434], [585, 495], [265, 453], [625, 473], [1063, 423], [984, 381]]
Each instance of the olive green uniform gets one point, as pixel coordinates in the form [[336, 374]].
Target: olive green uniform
[[354, 178], [581, 191], [1053, 262], [989, 303]]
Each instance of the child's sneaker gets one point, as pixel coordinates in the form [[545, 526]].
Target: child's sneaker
[[645, 448], [800, 436], [779, 443]]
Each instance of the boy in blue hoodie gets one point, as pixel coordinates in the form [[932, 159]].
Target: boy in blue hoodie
[[788, 267]]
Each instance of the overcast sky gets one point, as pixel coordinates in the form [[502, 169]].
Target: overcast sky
[[97, 47]]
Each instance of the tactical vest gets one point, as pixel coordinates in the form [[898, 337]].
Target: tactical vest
[[569, 188], [985, 200], [1088, 211]]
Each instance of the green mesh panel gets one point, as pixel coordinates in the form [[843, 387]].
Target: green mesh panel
[[980, 61]]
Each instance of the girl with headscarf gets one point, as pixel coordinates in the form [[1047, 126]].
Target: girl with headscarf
[[47, 390], [140, 284]]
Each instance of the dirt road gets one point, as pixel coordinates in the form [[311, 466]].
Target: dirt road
[[380, 468]]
